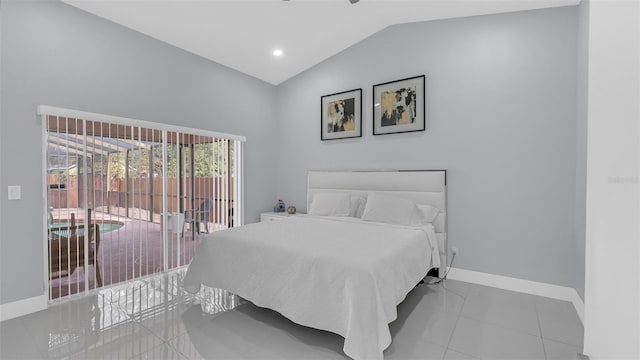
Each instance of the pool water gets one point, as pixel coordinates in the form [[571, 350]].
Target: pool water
[[105, 227]]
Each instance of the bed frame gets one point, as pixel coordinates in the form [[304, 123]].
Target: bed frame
[[421, 186]]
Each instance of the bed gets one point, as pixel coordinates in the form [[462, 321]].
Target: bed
[[344, 274]]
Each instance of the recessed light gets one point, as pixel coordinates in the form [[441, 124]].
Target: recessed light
[[277, 52]]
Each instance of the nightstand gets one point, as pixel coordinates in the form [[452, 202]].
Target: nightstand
[[275, 216]]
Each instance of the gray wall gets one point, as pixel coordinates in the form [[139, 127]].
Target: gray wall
[[501, 118], [581, 144], [57, 55]]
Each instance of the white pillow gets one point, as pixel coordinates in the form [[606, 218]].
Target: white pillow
[[330, 204], [389, 209], [357, 205], [425, 214]]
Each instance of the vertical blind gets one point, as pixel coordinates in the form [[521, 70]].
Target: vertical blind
[[127, 199]]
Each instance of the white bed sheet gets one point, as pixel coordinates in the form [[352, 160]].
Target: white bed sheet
[[343, 275]]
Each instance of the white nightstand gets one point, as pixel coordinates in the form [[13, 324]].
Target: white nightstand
[[273, 216]]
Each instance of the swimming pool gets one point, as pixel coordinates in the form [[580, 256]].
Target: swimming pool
[[105, 225]]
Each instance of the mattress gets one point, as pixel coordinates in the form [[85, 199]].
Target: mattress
[[343, 275]]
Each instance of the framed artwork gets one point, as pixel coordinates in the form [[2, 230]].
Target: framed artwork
[[341, 115], [398, 106]]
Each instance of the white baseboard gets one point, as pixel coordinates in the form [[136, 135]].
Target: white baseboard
[[520, 285], [22, 307]]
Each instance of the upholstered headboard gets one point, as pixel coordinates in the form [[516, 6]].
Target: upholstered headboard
[[421, 186]]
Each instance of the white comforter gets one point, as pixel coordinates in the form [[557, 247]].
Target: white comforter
[[342, 275]]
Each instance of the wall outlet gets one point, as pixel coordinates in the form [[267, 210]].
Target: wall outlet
[[454, 250]]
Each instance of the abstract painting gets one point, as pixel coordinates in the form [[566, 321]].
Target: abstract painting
[[399, 106], [341, 115]]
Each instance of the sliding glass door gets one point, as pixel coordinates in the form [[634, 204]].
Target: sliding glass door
[[127, 199]]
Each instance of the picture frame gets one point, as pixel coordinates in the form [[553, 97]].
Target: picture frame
[[399, 106], [341, 115]]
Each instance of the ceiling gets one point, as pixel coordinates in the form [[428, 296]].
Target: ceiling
[[242, 34]]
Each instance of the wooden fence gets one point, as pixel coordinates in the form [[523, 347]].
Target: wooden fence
[[141, 193]]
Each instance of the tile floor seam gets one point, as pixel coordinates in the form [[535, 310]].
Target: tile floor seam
[[485, 325], [521, 332], [464, 300], [151, 331], [463, 297], [560, 341], [544, 348], [461, 352], [180, 353]]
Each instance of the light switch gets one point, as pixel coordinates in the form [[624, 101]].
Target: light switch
[[15, 192]]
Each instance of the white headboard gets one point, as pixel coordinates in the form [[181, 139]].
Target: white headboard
[[420, 186]]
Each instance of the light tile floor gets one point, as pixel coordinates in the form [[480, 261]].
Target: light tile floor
[[155, 319]]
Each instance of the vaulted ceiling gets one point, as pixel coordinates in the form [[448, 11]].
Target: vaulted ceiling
[[242, 34]]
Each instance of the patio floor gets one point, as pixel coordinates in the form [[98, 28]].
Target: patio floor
[[130, 252]]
